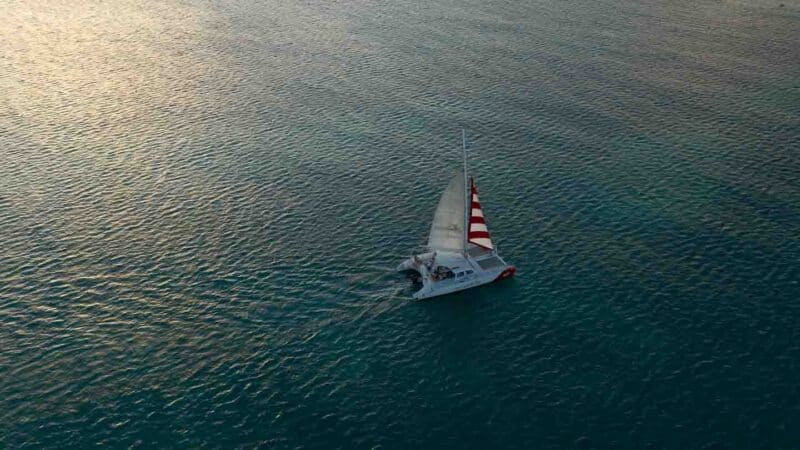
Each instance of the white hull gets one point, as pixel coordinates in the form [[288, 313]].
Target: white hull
[[467, 273]]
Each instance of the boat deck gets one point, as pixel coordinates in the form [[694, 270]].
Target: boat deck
[[490, 263]]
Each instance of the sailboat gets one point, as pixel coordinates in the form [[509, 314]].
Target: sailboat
[[461, 254]]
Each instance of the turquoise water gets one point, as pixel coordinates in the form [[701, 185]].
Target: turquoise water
[[202, 203]]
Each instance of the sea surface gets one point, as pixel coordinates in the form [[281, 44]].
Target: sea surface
[[202, 204]]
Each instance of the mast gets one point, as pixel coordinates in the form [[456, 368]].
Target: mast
[[467, 194]]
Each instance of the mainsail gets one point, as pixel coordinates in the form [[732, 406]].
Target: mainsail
[[447, 230], [477, 234]]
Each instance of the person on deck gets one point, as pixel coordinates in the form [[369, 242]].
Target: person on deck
[[429, 263]]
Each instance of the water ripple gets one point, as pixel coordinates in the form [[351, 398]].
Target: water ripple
[[201, 206]]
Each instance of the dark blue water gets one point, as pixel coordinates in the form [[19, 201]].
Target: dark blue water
[[202, 204]]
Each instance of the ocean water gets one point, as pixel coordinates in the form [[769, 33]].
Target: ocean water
[[202, 204]]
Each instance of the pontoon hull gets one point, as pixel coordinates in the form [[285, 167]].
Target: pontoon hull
[[477, 277]]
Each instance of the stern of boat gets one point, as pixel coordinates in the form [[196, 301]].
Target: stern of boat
[[406, 265], [414, 262]]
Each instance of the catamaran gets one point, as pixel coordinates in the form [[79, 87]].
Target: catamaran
[[460, 253]]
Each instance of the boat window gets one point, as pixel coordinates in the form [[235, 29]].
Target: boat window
[[469, 272]]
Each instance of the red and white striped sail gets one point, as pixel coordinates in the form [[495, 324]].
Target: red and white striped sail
[[477, 232]]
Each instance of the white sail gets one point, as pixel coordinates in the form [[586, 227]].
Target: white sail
[[447, 230]]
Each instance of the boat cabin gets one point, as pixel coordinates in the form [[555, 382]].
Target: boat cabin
[[463, 273], [441, 273]]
